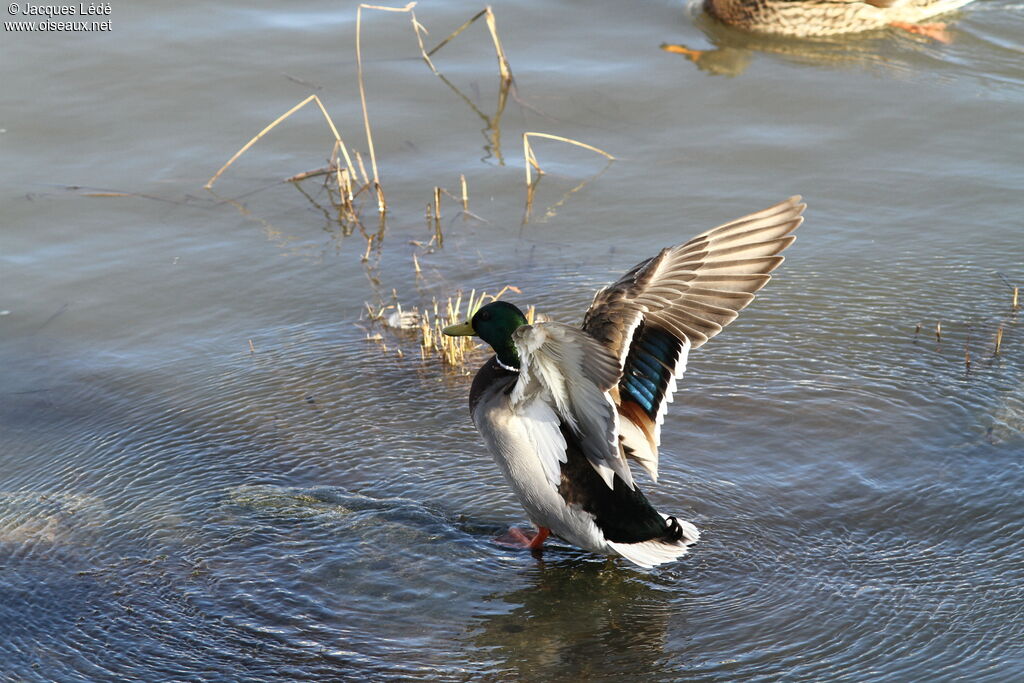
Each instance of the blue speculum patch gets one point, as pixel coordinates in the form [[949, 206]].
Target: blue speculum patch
[[648, 368]]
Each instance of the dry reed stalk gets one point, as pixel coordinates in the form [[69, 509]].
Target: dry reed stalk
[[531, 160], [531, 190], [312, 98], [492, 26], [504, 73], [999, 340], [967, 351], [362, 168], [457, 31], [345, 191], [310, 174], [369, 246], [343, 178], [434, 218], [346, 209], [416, 264], [433, 224], [417, 27], [938, 331], [371, 314], [381, 203], [1016, 298], [252, 348], [454, 350], [465, 192]]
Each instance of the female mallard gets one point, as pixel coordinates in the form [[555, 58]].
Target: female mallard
[[562, 408], [810, 18]]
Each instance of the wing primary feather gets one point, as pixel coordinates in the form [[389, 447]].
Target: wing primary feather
[[663, 307]]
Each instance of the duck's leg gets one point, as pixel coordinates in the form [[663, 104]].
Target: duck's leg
[[538, 540], [517, 538], [935, 31]]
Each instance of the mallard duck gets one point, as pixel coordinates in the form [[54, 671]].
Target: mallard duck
[[564, 409], [809, 18]]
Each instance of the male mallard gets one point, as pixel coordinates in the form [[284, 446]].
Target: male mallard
[[562, 408], [809, 18]]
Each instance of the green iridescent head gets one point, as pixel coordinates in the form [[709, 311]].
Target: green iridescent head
[[494, 323]]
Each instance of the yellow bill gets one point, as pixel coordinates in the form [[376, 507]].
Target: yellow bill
[[462, 330]]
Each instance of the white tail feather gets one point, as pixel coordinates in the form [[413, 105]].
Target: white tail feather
[[652, 553]]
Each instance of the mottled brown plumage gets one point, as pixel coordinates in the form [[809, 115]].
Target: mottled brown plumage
[[809, 18]]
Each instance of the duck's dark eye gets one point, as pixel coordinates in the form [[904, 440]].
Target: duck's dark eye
[[486, 315]]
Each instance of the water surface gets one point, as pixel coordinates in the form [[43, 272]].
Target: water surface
[[178, 504]]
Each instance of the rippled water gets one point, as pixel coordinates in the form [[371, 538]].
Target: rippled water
[[177, 505]]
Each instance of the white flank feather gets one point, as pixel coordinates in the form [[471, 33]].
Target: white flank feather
[[571, 372], [541, 424]]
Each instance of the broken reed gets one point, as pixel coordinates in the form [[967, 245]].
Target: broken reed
[[492, 26], [346, 175], [531, 159], [382, 206], [338, 142]]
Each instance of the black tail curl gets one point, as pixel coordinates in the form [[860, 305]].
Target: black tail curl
[[674, 529]]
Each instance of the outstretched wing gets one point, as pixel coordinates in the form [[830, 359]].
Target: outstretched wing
[[567, 369], [651, 317]]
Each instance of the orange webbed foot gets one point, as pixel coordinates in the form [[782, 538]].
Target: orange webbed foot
[[523, 540]]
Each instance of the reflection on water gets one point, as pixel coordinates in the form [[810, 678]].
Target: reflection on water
[[888, 52], [208, 470], [579, 619], [492, 122]]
